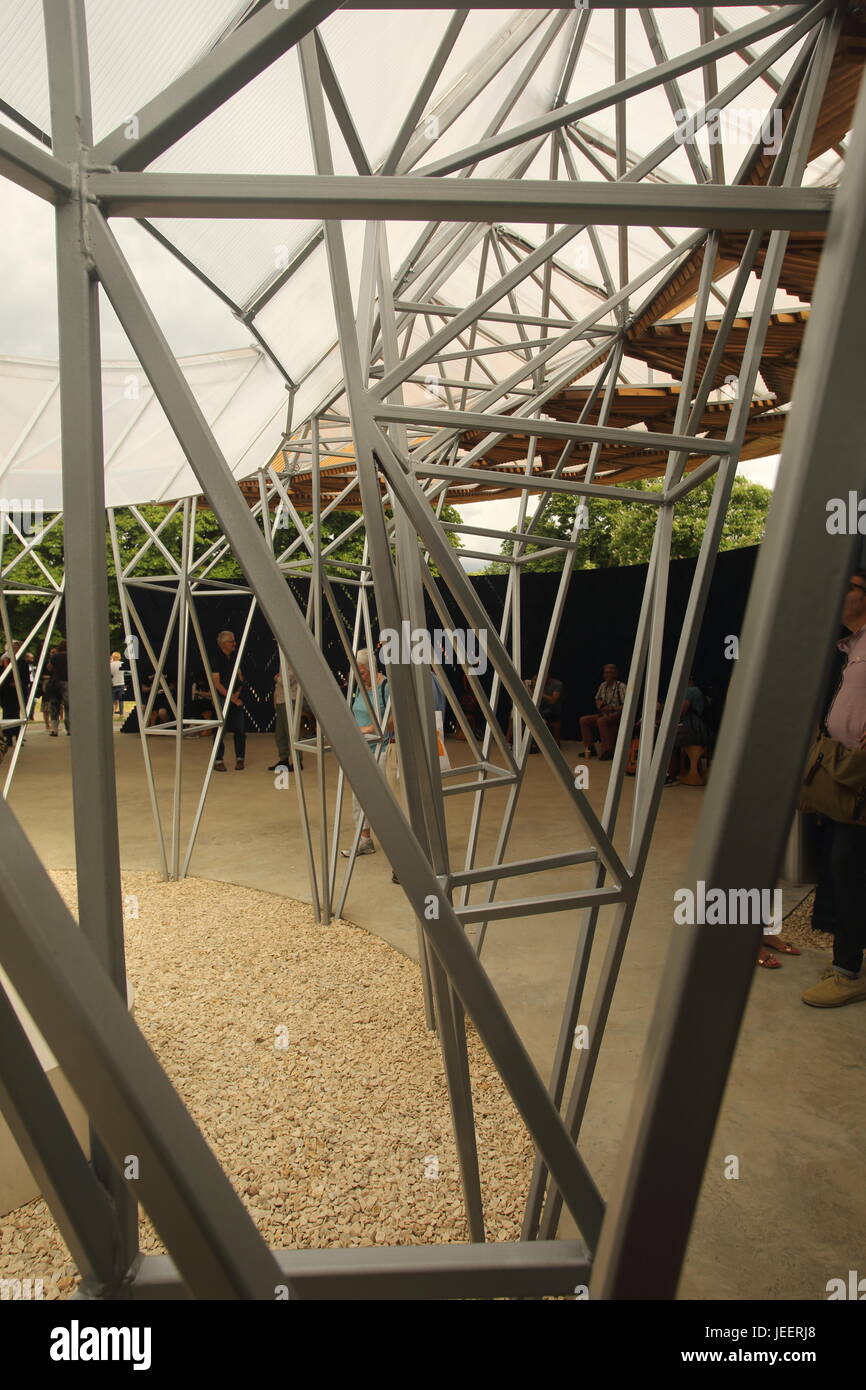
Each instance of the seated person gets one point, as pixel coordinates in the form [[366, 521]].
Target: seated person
[[550, 704], [161, 712], [202, 703], [472, 710], [609, 700], [692, 729]]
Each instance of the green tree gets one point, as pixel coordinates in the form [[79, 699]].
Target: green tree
[[352, 550], [25, 609], [621, 533]]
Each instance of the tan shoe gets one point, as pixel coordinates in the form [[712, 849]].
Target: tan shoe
[[834, 991]]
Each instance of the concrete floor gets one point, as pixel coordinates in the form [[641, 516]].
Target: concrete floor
[[795, 1108]]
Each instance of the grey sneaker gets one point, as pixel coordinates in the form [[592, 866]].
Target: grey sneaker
[[364, 847]]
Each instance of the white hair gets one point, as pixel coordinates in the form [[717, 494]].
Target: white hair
[[227, 633], [366, 659]]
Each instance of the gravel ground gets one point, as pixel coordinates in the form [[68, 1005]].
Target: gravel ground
[[302, 1054], [797, 928]]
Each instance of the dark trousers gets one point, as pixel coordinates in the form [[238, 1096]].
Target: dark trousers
[[58, 698], [281, 734], [236, 724], [840, 896]]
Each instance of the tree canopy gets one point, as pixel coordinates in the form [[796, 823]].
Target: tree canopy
[[621, 533], [25, 609]]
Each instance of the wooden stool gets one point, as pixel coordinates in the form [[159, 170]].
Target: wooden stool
[[695, 773]]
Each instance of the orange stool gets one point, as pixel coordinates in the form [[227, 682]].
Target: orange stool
[[693, 769]]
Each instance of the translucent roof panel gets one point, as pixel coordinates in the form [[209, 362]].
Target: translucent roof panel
[[240, 393], [506, 68], [135, 51]]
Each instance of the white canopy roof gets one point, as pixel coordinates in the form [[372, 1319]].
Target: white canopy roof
[[380, 58]]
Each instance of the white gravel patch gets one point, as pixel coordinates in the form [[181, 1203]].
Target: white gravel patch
[[301, 1052]]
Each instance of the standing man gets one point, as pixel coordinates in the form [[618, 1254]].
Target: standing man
[[235, 721], [9, 704], [609, 700], [281, 724], [57, 689], [841, 890]]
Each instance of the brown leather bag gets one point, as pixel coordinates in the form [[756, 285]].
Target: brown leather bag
[[631, 764], [834, 783]]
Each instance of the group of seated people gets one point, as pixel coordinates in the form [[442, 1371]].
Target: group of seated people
[[599, 729]]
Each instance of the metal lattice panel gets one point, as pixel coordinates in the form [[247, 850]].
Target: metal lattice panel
[[472, 359]]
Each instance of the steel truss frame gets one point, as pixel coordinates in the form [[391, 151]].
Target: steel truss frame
[[51, 590], [403, 458]]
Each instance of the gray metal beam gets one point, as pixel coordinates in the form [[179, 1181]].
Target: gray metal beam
[[192, 97], [638, 171], [508, 1269], [410, 198], [128, 1097], [447, 311], [425, 90], [94, 796], [33, 167], [533, 482], [396, 592], [790, 164], [791, 620], [78, 1202], [618, 92], [549, 429], [446, 936]]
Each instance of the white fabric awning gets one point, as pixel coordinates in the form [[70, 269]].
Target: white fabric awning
[[380, 59]]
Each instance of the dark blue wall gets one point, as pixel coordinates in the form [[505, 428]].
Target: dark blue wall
[[598, 625]]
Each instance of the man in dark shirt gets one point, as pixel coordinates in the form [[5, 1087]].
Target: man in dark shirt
[[223, 666], [9, 702], [57, 689], [550, 704]]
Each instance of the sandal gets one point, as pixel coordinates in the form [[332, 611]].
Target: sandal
[[769, 962], [784, 948]]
